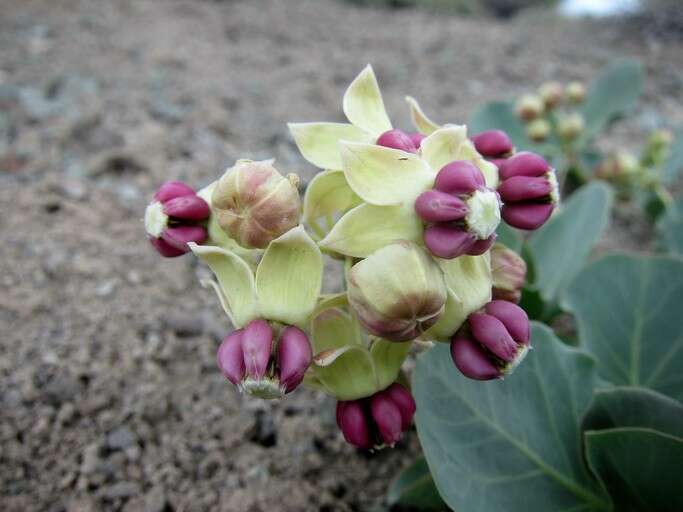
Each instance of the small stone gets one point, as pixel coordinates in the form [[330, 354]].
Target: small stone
[[91, 459], [121, 438], [155, 499], [120, 490], [184, 326], [66, 413]]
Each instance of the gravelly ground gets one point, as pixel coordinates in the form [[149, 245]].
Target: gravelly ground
[[110, 399]]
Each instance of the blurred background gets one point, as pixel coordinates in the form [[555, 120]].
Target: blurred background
[[110, 398]]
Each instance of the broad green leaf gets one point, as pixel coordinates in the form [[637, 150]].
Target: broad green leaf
[[628, 310], [640, 468], [327, 195], [510, 444], [670, 228], [560, 248], [618, 407], [443, 146], [469, 281], [363, 104], [388, 356], [331, 329], [319, 142], [615, 91], [674, 163], [236, 287], [367, 227], [510, 237], [414, 487], [423, 124], [289, 278], [385, 176]]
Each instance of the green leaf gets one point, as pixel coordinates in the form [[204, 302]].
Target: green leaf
[[289, 278], [319, 142], [327, 195], [560, 248], [510, 444], [363, 104], [628, 310], [615, 91], [674, 163], [367, 227], [640, 467], [385, 176], [509, 237], [414, 487], [670, 228], [236, 289]]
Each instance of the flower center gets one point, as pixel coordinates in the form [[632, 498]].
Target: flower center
[[555, 187], [262, 388], [484, 215], [155, 219]]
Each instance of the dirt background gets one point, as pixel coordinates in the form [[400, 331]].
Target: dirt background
[[109, 394]]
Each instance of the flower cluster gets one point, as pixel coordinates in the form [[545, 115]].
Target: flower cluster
[[412, 216]]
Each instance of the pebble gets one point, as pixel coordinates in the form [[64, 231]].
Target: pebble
[[121, 438], [120, 490]]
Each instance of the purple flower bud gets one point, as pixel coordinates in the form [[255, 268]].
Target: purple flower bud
[[173, 189], [417, 138], [187, 207], [180, 236], [513, 317], [437, 206], [167, 251], [472, 361], [448, 241], [293, 357], [527, 215], [524, 163], [492, 143], [230, 357], [257, 345], [387, 417], [491, 332], [351, 421], [397, 139], [459, 177], [498, 162], [405, 403], [523, 188], [481, 246]]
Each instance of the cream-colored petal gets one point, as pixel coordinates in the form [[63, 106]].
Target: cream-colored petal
[[332, 329], [366, 228], [443, 146], [236, 281], [328, 195], [388, 357], [347, 373], [363, 104], [423, 124], [289, 278], [385, 176], [319, 142]]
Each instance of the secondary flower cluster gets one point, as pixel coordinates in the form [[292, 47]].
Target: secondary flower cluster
[[413, 216]]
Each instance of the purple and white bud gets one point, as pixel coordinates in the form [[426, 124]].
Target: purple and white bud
[[378, 420], [247, 359], [492, 342], [176, 217], [509, 273], [397, 139], [461, 213], [528, 189], [493, 143]]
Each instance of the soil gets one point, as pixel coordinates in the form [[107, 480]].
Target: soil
[[110, 397]]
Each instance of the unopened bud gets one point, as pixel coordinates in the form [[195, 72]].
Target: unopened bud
[[538, 130], [392, 308], [255, 204], [658, 148], [417, 138], [492, 342], [620, 167], [378, 420], [493, 143], [176, 217], [509, 273], [529, 107], [570, 126], [247, 359], [575, 92], [551, 93], [397, 139], [463, 213], [529, 190]]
